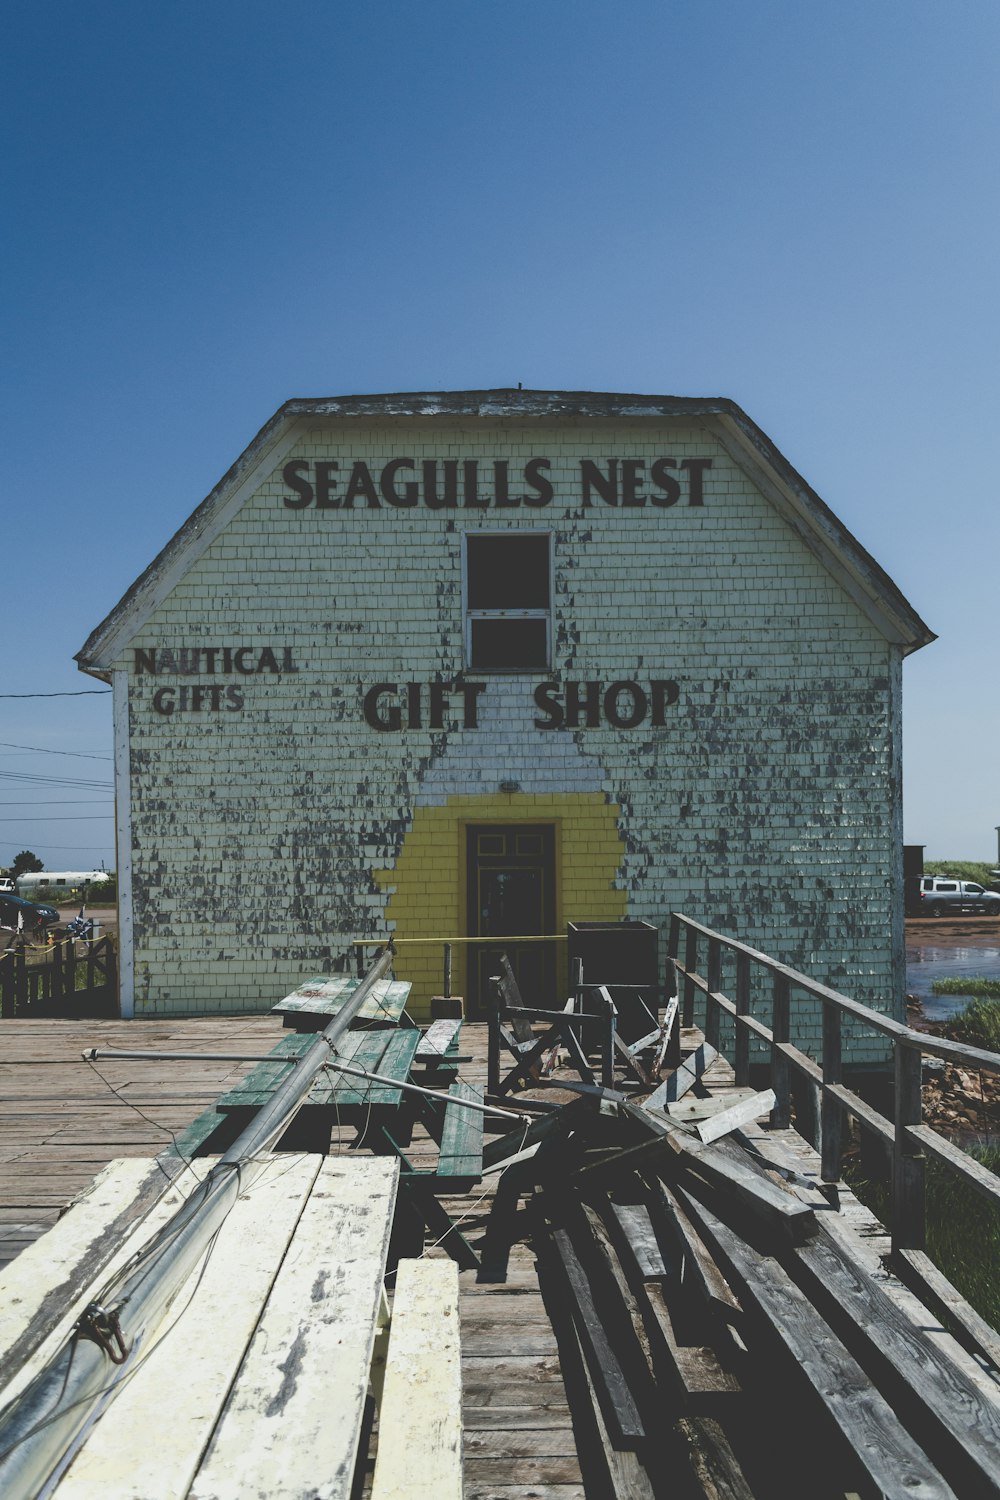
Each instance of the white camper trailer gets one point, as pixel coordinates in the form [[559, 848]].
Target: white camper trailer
[[58, 880]]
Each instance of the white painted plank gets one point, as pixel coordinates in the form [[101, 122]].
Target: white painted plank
[[648, 1040], [326, 996], [685, 1111], [511, 1161], [45, 1266], [682, 1078], [437, 1039], [419, 1454], [292, 1424], [738, 1114], [188, 1370]]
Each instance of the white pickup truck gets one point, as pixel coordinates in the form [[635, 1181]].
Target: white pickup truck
[[937, 895]]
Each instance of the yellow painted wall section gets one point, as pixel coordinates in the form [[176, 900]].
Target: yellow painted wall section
[[428, 880]]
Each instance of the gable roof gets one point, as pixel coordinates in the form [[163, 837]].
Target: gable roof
[[751, 449]]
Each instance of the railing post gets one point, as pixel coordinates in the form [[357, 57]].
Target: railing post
[[672, 1056], [110, 972], [69, 971], [908, 1223], [447, 971], [608, 1046], [780, 1032], [674, 939], [690, 965], [359, 950], [712, 1012], [7, 986], [831, 1114], [493, 1043], [742, 1037]]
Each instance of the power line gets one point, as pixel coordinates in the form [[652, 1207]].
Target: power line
[[80, 693], [59, 802], [60, 781], [40, 749], [83, 818]]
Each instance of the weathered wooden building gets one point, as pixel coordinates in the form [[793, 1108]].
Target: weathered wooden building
[[492, 661]]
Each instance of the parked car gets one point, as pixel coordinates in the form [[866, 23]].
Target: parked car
[[35, 915], [6, 884], [937, 895]]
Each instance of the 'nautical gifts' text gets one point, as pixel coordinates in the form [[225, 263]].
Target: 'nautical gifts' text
[[195, 661]]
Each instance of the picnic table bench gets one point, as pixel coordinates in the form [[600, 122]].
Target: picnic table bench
[[438, 1049], [318, 1000], [335, 1098], [257, 1381], [384, 1111]]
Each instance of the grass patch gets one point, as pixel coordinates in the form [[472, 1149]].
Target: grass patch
[[962, 869], [978, 1025], [974, 985], [963, 1230], [963, 1234]]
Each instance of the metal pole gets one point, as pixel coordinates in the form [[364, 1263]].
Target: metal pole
[[99, 1054], [416, 1088], [43, 1427], [112, 1054]]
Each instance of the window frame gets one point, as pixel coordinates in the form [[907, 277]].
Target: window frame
[[469, 615]]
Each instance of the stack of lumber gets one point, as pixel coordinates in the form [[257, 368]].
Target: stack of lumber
[[722, 1336]]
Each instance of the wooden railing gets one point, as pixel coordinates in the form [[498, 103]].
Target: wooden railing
[[907, 1139], [75, 977]]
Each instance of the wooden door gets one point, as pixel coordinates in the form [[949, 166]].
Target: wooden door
[[511, 893]]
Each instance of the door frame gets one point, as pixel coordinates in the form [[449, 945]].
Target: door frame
[[512, 820]]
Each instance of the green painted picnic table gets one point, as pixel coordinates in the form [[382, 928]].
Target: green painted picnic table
[[317, 1001], [388, 1053]]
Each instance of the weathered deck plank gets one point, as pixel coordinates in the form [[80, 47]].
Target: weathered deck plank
[[60, 1123], [291, 1424], [420, 1447], [132, 1450]]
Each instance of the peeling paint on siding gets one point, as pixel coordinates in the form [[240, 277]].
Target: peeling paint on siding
[[766, 806]]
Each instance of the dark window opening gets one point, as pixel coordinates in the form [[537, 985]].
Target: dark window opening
[[500, 644], [508, 601], [508, 572]]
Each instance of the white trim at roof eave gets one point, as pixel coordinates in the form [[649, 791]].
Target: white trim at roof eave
[[828, 540], [179, 556]]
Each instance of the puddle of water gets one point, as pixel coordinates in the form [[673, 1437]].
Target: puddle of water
[[927, 961]]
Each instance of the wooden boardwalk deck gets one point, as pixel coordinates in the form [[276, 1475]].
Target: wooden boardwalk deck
[[62, 1120]]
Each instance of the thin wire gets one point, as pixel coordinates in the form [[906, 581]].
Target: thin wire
[[164, 1129], [73, 818], [41, 750], [471, 1208], [83, 782], [61, 802], [133, 1369], [187, 1161]]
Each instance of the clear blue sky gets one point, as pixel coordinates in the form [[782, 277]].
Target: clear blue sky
[[211, 207]]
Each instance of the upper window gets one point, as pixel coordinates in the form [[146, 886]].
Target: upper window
[[508, 600]]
